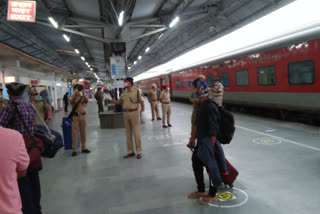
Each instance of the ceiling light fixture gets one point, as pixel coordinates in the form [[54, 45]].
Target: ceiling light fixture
[[160, 36], [53, 22], [120, 20], [147, 49], [139, 57], [91, 69], [129, 68], [174, 22], [135, 62], [77, 51], [82, 58], [87, 63], [66, 37]]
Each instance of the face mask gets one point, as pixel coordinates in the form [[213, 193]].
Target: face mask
[[39, 98], [168, 89], [75, 90]]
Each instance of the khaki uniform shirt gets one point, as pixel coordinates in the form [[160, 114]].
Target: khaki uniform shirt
[[131, 99], [165, 96], [41, 107], [99, 96], [152, 96], [3, 104], [218, 90], [82, 107]]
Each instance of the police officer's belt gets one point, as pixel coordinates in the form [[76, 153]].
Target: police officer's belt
[[130, 110], [78, 114]]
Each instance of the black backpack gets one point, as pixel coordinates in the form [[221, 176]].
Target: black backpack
[[227, 128]]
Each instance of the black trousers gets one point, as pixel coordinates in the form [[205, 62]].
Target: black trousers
[[30, 192], [65, 107], [197, 166]]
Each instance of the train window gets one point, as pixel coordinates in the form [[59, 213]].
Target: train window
[[190, 83], [267, 75], [242, 78], [184, 83], [177, 83], [224, 78], [301, 73], [210, 80]]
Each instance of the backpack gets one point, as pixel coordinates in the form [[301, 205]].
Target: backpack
[[227, 127]]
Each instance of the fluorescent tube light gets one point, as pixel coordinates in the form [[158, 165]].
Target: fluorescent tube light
[[77, 51], [174, 22], [83, 58], [120, 20], [140, 57], [66, 37], [53, 22], [147, 49], [135, 62]]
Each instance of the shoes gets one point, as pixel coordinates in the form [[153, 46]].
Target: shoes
[[74, 154], [169, 125], [152, 119], [164, 126], [207, 200], [86, 151], [197, 194], [158, 118], [139, 156], [129, 155]]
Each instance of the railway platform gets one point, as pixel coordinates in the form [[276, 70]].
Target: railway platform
[[278, 164]]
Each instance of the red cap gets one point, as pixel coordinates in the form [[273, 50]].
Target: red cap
[[166, 85]]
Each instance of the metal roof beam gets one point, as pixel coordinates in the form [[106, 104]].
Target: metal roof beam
[[148, 34], [84, 26], [147, 26], [107, 40]]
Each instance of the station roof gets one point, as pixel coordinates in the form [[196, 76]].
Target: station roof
[[93, 24]]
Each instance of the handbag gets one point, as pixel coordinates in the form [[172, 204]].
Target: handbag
[[74, 109], [33, 144], [52, 140]]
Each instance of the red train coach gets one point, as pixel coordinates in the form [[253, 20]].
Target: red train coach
[[286, 78]]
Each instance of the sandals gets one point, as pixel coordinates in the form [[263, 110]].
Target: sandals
[[197, 194], [207, 200]]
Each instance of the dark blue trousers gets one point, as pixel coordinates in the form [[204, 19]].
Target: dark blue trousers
[[30, 192], [212, 160]]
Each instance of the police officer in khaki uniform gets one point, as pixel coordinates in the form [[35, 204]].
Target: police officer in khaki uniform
[[152, 97], [99, 97], [166, 106], [41, 105], [3, 102], [79, 119], [131, 98], [218, 92]]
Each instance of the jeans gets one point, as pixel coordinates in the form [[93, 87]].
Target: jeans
[[30, 192], [212, 160]]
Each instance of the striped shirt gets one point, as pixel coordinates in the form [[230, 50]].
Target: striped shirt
[[10, 119]]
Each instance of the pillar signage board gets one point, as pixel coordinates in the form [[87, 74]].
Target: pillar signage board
[[118, 67], [34, 82], [22, 11]]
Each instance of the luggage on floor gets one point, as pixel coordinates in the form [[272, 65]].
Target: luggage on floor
[[231, 177], [52, 141]]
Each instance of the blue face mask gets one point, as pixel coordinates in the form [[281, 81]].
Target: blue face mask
[[39, 98], [25, 96]]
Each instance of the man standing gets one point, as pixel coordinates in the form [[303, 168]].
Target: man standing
[[79, 119], [41, 105], [66, 102], [14, 164], [152, 97], [166, 106], [218, 92], [29, 186], [99, 97], [131, 98], [208, 151]]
